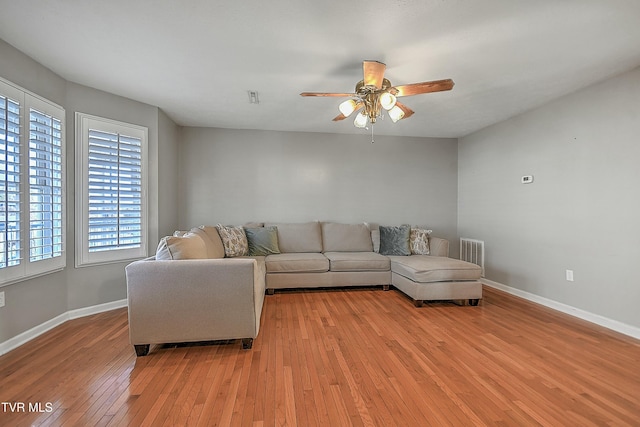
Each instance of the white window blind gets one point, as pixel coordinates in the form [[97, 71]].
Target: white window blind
[[115, 191], [45, 186], [111, 190], [32, 228], [10, 250]]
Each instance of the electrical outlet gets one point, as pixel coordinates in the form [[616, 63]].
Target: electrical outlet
[[569, 275], [1, 299]]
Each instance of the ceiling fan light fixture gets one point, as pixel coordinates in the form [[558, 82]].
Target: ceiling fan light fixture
[[387, 100], [396, 113], [375, 93], [360, 120], [347, 107]]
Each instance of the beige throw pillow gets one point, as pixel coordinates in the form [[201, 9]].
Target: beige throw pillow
[[188, 246], [212, 240]]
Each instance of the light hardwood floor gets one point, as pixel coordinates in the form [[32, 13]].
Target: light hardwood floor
[[335, 358]]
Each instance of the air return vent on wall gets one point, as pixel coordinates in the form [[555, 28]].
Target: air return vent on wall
[[472, 250]]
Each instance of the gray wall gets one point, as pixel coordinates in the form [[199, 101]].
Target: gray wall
[[167, 210], [32, 302], [582, 210], [236, 176]]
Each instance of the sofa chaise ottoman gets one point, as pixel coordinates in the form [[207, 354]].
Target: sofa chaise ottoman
[[432, 278]]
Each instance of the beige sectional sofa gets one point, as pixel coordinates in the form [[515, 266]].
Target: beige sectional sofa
[[209, 284]]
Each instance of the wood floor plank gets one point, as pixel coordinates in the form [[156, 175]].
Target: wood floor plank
[[337, 357]]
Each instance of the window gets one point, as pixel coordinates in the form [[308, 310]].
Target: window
[[111, 198], [32, 217]]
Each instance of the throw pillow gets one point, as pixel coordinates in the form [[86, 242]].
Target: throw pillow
[[394, 240], [262, 241], [375, 236], [188, 246], [419, 241], [234, 240], [212, 240]]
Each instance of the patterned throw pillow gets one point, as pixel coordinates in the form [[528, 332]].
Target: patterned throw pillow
[[234, 240], [419, 241], [394, 240]]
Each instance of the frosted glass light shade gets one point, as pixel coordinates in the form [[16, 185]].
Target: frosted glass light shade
[[387, 100], [396, 113], [347, 107], [360, 121]]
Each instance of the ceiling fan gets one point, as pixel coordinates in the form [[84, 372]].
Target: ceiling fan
[[374, 93]]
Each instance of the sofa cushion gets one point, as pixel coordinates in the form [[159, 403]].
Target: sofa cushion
[[394, 240], [188, 246], [357, 261], [262, 241], [212, 240], [297, 263], [427, 268], [298, 237], [375, 235], [419, 241], [346, 237], [234, 240]]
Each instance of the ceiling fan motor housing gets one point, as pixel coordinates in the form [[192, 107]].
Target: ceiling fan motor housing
[[370, 95]]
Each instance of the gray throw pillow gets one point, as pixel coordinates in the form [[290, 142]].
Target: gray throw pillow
[[262, 241], [394, 240]]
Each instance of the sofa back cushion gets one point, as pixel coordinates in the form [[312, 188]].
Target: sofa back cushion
[[298, 237], [346, 237], [212, 240], [189, 246]]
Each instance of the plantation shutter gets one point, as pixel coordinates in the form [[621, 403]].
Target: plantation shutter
[[10, 248], [111, 196], [115, 191], [45, 186], [32, 201]]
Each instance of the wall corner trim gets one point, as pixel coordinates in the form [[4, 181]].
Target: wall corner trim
[[614, 325], [18, 340]]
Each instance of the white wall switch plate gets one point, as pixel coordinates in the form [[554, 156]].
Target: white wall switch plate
[[527, 179], [570, 275], [1, 299]]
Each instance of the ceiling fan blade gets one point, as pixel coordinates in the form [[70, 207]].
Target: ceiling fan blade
[[408, 112], [327, 94], [373, 73], [424, 87], [341, 116]]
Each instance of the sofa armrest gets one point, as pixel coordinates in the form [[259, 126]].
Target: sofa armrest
[[194, 300], [438, 246]]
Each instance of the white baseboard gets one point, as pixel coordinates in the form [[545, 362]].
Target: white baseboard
[[614, 325], [36, 331]]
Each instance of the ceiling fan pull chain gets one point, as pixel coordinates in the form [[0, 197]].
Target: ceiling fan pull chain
[[372, 141]]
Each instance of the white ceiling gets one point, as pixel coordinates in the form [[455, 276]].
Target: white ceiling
[[196, 59]]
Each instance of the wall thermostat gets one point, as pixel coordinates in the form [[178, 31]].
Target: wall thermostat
[[527, 179]]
